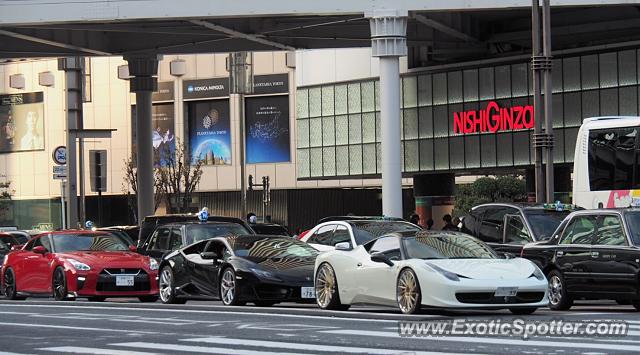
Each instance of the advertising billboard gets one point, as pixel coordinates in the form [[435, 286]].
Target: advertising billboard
[[21, 122], [210, 132], [267, 133], [163, 135]]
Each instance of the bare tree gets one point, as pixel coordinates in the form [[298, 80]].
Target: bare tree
[[130, 187], [178, 177], [5, 198]]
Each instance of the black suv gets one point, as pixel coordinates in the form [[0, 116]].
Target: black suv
[[506, 227]]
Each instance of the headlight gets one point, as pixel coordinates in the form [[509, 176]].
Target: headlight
[[78, 265], [537, 273], [153, 264], [448, 274], [263, 274]]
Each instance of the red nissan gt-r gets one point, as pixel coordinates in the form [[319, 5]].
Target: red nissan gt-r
[[70, 264]]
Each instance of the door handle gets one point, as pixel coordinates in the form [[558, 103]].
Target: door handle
[[560, 253], [594, 254], [359, 264]]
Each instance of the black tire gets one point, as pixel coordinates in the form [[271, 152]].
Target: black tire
[[264, 303], [408, 292], [148, 299], [559, 300], [327, 291], [229, 288], [97, 299], [636, 304], [59, 285], [523, 311], [9, 285], [167, 287]]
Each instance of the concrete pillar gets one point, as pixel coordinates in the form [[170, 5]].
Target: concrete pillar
[[143, 70], [389, 43]]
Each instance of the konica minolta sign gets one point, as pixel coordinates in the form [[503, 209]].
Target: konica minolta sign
[[205, 88]]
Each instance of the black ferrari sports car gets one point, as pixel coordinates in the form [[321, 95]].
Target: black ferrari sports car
[[238, 269]]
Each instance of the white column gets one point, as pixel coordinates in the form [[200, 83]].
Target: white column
[[388, 42]]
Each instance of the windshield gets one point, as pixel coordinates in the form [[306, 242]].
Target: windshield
[[63, 243], [257, 247], [544, 223], [5, 243], [446, 246], [198, 232], [633, 220], [364, 231]]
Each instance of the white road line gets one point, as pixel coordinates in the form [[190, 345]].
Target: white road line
[[95, 351], [200, 349], [500, 341], [7, 353], [306, 346], [56, 326]]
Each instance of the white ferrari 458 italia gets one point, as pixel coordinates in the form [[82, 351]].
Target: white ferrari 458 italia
[[427, 268]]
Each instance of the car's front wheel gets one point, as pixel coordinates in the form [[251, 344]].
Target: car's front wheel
[[522, 311], [9, 286], [229, 288], [326, 285], [559, 300], [167, 287], [59, 286], [408, 292]]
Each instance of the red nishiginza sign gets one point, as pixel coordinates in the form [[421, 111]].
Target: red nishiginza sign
[[493, 119]]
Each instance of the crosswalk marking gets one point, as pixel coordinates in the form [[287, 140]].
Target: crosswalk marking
[[305, 346], [94, 351], [200, 349]]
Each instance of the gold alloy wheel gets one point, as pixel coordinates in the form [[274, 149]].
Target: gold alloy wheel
[[407, 291], [325, 286]]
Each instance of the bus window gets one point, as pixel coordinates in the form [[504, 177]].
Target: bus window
[[612, 158]]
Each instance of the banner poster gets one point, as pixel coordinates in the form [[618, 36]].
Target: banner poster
[[267, 129], [163, 135], [21, 122], [210, 132]]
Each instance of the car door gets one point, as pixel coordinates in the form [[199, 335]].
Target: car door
[[322, 238], [573, 255], [614, 262], [35, 267], [491, 227], [205, 271], [378, 280], [516, 234], [159, 243]]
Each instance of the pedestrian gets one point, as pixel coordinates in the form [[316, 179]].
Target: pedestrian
[[251, 218], [457, 222], [448, 225], [415, 219], [429, 224]]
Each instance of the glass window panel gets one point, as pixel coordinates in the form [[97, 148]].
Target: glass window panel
[[627, 67], [376, 88], [303, 163], [303, 133], [557, 110], [355, 129], [470, 85], [328, 108], [368, 96], [571, 74], [402, 156], [456, 152], [329, 161], [472, 151], [452, 110], [341, 99], [355, 159], [378, 130], [426, 155], [368, 127], [410, 91], [369, 158], [440, 88], [519, 81], [572, 109], [558, 145], [589, 70], [488, 150], [315, 132], [521, 148], [505, 150], [454, 86], [342, 129], [354, 99], [328, 131], [503, 81], [302, 103], [441, 120], [487, 91], [410, 119], [608, 70], [629, 101], [590, 104], [441, 153], [315, 159], [609, 102], [556, 75], [411, 162], [570, 137], [315, 102], [425, 122], [424, 90], [342, 160]]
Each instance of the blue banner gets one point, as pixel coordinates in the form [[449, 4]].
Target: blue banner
[[210, 132], [267, 129]]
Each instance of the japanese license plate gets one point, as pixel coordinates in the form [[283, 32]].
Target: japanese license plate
[[308, 292], [506, 291], [124, 280]]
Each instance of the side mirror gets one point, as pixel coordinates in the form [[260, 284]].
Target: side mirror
[[209, 255], [39, 250], [343, 246], [509, 255], [133, 248], [381, 258]]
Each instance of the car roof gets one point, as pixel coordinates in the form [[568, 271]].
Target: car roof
[[191, 223], [352, 218], [522, 206]]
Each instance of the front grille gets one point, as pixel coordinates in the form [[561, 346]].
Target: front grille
[[116, 271], [490, 298], [273, 292], [107, 280]]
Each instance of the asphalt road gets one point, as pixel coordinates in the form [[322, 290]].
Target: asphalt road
[[42, 326]]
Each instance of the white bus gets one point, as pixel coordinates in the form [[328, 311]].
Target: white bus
[[606, 166]]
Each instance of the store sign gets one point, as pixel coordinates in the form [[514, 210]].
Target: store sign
[[271, 84], [205, 88], [493, 119], [164, 93]]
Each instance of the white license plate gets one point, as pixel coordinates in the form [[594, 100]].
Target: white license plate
[[124, 280], [308, 292], [506, 291]]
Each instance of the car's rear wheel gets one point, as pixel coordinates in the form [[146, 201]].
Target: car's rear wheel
[[9, 286], [229, 288], [59, 286], [559, 300], [327, 292], [408, 292], [167, 287], [97, 299], [149, 299], [523, 311]]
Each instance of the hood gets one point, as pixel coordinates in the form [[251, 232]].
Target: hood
[[107, 258], [485, 269], [286, 269]]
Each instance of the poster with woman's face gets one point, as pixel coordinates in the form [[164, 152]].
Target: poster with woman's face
[[21, 122]]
